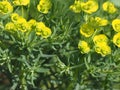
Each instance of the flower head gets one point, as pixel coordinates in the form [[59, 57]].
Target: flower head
[[43, 30], [83, 46], [101, 21], [98, 22], [44, 6], [116, 25], [14, 17], [5, 7], [10, 26], [32, 23], [116, 39], [101, 38], [86, 30], [103, 49], [21, 2], [76, 7], [22, 25], [109, 7], [89, 6]]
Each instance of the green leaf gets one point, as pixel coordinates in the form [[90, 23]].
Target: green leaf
[[42, 70], [9, 67], [31, 36], [77, 87]]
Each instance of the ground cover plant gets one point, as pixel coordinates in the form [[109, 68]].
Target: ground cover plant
[[59, 44]]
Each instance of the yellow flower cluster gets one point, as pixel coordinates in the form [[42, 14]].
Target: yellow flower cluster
[[93, 24], [76, 7], [19, 23], [100, 41], [116, 39], [100, 38], [116, 25], [88, 28], [100, 21], [83, 46], [21, 2], [42, 30], [44, 6], [103, 49], [101, 44], [89, 7], [5, 8], [109, 7]]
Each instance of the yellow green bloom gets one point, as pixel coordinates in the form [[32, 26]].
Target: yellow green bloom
[[76, 7], [10, 26], [43, 30], [103, 49], [86, 30], [14, 17], [22, 25], [83, 46], [39, 27], [101, 21], [109, 7], [32, 23], [116, 39], [89, 6], [21, 2], [5, 7], [98, 21], [44, 6], [116, 25], [101, 38]]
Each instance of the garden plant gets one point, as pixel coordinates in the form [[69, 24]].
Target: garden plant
[[59, 45]]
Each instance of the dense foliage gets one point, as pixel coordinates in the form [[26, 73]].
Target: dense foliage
[[59, 45]]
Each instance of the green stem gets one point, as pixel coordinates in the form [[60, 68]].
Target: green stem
[[24, 87], [86, 63], [76, 66], [22, 10]]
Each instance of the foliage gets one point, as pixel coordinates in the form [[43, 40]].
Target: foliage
[[59, 44]]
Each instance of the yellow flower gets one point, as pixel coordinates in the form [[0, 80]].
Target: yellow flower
[[83, 46], [101, 38], [5, 7], [116, 39], [103, 49], [86, 30], [22, 25], [76, 7], [42, 30], [39, 27], [21, 2], [116, 25], [10, 26], [21, 20], [109, 7], [97, 22], [14, 17], [17, 19], [32, 23], [46, 32], [101, 21], [44, 6], [89, 6]]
